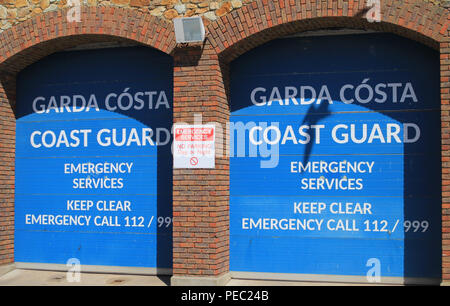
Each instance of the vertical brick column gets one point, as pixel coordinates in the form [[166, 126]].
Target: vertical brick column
[[7, 149], [201, 196], [445, 144]]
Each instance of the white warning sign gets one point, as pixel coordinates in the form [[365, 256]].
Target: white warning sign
[[193, 146]]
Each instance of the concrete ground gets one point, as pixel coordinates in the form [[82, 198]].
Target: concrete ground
[[251, 282], [20, 277]]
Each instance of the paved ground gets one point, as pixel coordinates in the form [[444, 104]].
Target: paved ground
[[51, 278], [19, 277], [247, 282]]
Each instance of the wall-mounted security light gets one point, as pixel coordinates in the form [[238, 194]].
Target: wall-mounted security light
[[189, 29]]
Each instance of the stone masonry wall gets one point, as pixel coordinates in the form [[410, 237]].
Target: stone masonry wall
[[15, 11]]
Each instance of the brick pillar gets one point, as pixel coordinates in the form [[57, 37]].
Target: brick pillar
[[445, 138], [200, 196], [7, 149]]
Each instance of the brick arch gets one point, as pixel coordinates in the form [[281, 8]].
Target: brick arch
[[261, 21], [46, 33], [119, 22]]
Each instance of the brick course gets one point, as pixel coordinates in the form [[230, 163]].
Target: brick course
[[7, 140], [445, 141], [201, 197]]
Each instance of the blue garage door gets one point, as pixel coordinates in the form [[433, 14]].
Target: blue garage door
[[93, 162], [335, 166]]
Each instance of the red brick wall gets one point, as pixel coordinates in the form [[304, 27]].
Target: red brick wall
[[7, 142], [445, 123], [201, 197]]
